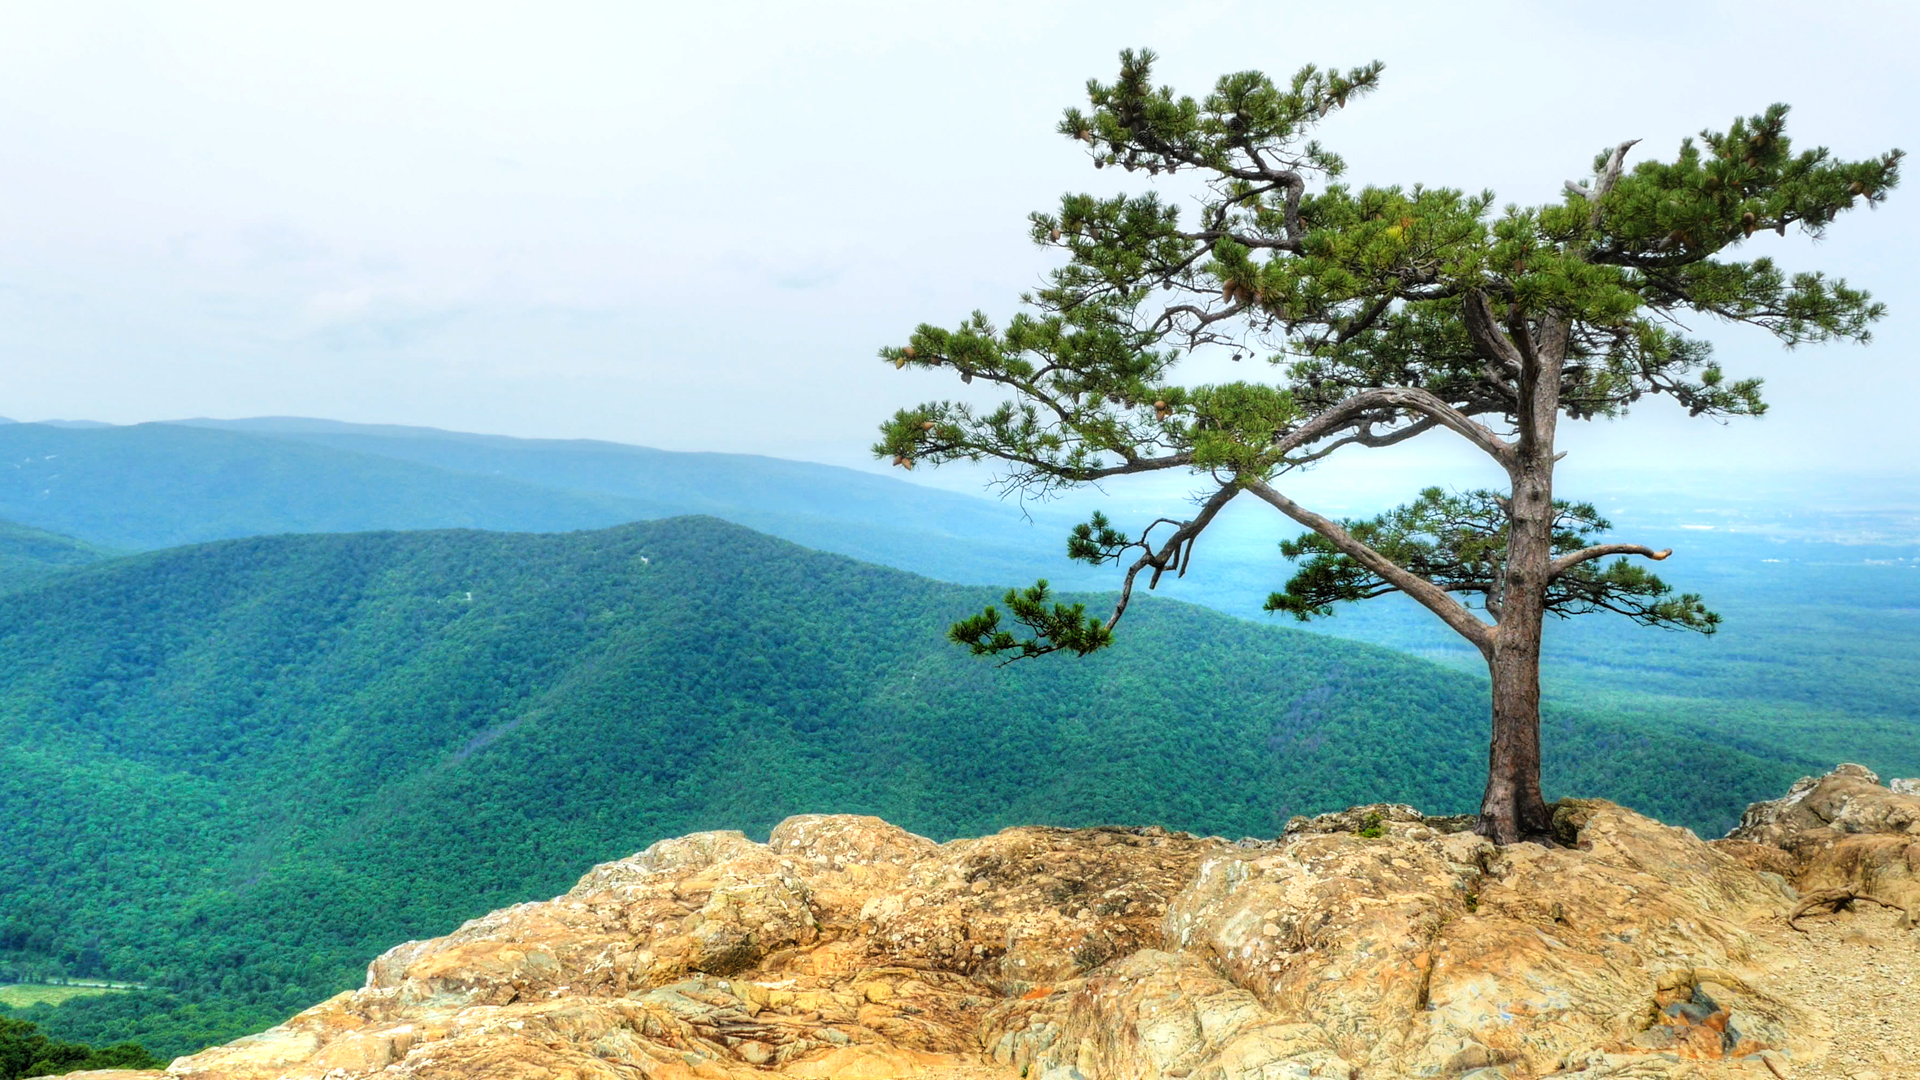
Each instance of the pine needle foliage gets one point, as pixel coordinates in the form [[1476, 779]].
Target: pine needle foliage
[[1459, 542], [1384, 313]]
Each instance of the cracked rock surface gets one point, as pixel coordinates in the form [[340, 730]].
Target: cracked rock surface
[[1372, 943]]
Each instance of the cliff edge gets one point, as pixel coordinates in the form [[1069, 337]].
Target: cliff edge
[[1372, 943]]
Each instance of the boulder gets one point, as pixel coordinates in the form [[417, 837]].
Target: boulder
[[1849, 799], [1842, 833]]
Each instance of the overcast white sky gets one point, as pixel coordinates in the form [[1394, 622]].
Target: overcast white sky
[[692, 228]]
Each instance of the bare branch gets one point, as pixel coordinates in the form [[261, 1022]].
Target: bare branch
[[1174, 552], [1370, 439], [1296, 187], [1834, 900], [1080, 476], [1410, 399], [1430, 596], [1488, 339], [1600, 551], [1608, 177]]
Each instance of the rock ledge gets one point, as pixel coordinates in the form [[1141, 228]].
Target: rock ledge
[[1371, 943]]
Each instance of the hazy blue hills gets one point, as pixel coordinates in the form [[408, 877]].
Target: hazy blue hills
[[238, 770], [687, 482], [1820, 654], [151, 486], [159, 485]]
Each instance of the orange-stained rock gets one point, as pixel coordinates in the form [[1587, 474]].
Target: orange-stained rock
[[1422, 958], [1031, 906]]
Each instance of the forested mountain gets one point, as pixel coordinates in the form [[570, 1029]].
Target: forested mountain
[[1819, 655], [239, 770], [28, 555]]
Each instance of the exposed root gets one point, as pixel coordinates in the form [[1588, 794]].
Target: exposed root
[[1833, 900]]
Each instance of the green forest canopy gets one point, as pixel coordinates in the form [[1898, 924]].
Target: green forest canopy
[[238, 771]]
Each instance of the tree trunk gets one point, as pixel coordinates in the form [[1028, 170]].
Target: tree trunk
[[1513, 808]]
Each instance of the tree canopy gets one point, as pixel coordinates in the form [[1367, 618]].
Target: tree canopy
[[1386, 313]]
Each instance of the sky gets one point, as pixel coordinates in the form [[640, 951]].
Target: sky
[[692, 229]]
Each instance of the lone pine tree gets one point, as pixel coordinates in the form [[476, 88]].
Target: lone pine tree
[[1387, 314]]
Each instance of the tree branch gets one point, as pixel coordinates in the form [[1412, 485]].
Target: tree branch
[[1608, 178], [1431, 596], [1174, 553], [1488, 339], [1600, 551], [1367, 438], [1412, 399]]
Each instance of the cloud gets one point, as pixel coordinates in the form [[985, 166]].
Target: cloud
[[277, 243], [366, 318], [795, 268]]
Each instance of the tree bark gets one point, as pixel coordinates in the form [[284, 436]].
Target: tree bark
[[1513, 808]]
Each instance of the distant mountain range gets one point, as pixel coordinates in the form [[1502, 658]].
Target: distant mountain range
[[149, 486]]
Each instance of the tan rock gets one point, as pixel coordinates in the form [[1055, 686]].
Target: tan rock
[[1384, 819], [1847, 800], [1156, 1014], [872, 1063], [1029, 907], [846, 947], [1481, 957], [1842, 831]]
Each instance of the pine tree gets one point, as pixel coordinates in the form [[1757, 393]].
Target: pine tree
[[1387, 314]]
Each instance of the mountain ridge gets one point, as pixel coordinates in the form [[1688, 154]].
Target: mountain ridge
[[29, 555], [1815, 659], [150, 486]]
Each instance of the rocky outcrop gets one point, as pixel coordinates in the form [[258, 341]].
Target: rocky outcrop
[[843, 947], [1842, 833], [1371, 943], [1816, 809], [1342, 954]]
